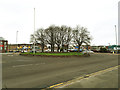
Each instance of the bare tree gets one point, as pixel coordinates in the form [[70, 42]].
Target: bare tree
[[61, 36], [50, 35], [33, 39], [81, 35], [68, 37], [57, 37], [39, 38], [63, 30]]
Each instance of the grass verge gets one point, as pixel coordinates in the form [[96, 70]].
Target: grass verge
[[54, 54]]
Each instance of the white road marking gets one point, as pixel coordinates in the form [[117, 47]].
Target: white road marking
[[23, 60], [26, 65], [22, 65], [42, 63], [36, 64], [10, 55]]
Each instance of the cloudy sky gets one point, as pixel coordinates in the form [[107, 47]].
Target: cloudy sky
[[99, 16]]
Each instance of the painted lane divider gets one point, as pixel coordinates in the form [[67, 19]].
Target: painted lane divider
[[61, 85], [56, 85]]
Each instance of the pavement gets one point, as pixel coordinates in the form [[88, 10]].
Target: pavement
[[107, 78], [41, 72], [108, 53], [9, 53]]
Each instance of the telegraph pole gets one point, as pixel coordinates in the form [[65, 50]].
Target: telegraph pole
[[34, 31]]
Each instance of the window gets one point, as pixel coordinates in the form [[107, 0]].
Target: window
[[5, 48], [0, 48], [1, 43]]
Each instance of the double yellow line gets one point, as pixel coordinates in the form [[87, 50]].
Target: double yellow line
[[60, 85]]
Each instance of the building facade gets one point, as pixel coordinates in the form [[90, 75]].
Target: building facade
[[20, 47], [3, 45]]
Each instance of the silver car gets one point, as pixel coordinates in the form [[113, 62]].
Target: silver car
[[88, 51]]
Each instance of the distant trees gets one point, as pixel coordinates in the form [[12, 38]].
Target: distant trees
[[61, 37], [63, 31], [50, 35], [58, 37], [81, 35], [39, 37], [68, 37]]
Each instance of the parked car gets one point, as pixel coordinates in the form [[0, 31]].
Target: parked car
[[65, 50], [76, 50], [55, 50], [22, 51], [88, 51], [48, 50], [71, 50]]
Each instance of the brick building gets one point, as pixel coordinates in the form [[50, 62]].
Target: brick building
[[19, 47], [3, 45]]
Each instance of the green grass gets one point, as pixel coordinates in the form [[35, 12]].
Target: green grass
[[55, 54]]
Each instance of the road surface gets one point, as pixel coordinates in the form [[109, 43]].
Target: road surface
[[41, 72]]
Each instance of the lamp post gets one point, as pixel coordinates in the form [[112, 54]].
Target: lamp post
[[16, 39], [34, 31], [116, 37], [16, 36]]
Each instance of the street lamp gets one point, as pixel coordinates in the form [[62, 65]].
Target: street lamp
[[116, 37], [34, 31], [16, 39], [16, 36]]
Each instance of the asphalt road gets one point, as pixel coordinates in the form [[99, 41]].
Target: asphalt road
[[107, 78], [40, 72]]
